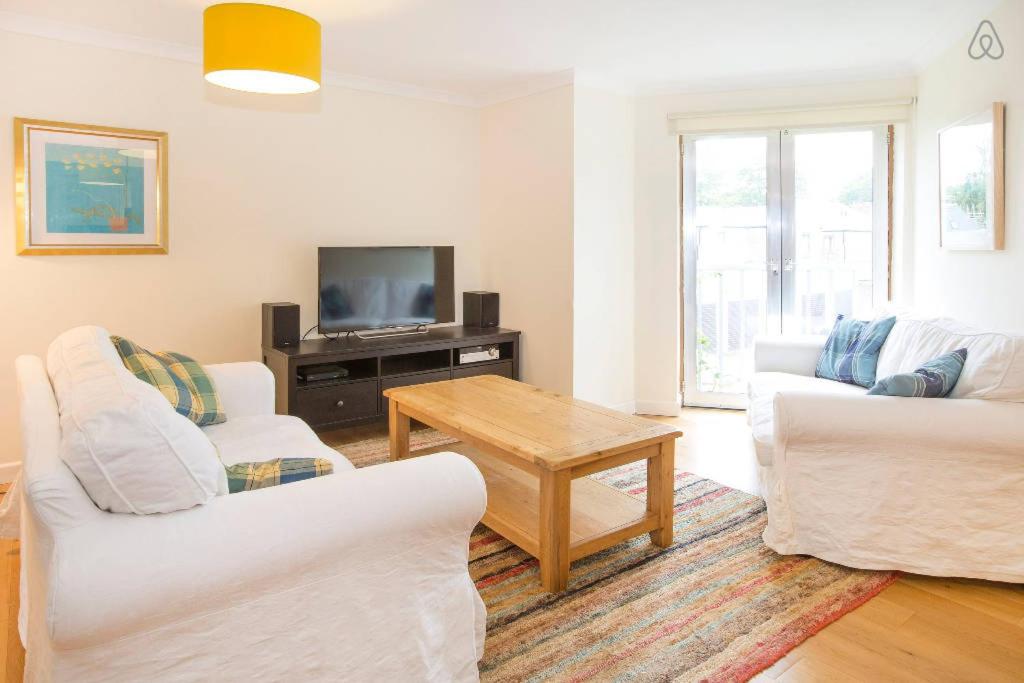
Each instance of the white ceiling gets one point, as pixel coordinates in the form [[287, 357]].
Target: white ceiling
[[479, 51]]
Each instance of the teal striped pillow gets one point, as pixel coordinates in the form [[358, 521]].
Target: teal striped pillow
[[851, 352], [934, 379]]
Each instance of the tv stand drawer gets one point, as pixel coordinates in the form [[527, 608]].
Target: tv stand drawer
[[338, 403]]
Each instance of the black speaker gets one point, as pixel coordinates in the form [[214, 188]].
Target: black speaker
[[280, 324], [480, 309]]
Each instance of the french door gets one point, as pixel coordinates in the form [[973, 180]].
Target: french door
[[782, 231]]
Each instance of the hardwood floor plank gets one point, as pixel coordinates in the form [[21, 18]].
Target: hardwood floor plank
[[780, 667], [810, 671], [966, 623], [884, 612], [865, 656], [8, 564], [1001, 600], [12, 655], [922, 651]]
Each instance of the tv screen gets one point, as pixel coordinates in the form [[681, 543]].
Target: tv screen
[[364, 288]]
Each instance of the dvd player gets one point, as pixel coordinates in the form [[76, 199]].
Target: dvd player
[[321, 373]]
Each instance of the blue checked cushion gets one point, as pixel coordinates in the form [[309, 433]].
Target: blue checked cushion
[[934, 379], [851, 352], [179, 378], [247, 476]]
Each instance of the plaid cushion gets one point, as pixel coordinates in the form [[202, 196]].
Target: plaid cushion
[[851, 352], [179, 378], [206, 408], [247, 476], [934, 379]]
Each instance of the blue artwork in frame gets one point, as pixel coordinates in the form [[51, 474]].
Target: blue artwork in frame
[[93, 190], [89, 190]]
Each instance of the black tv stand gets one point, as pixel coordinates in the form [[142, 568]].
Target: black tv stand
[[373, 364]]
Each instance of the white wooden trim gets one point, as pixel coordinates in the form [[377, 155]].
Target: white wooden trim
[[851, 113], [666, 408]]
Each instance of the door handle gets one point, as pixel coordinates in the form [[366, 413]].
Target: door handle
[[773, 266], [787, 265], [340, 404]]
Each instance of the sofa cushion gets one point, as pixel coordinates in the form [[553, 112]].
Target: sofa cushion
[[249, 476], [128, 447], [934, 379], [761, 409], [851, 351], [179, 378], [258, 438], [994, 368]]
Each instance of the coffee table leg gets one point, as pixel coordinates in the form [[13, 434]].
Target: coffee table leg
[[555, 488], [398, 432], [661, 491]]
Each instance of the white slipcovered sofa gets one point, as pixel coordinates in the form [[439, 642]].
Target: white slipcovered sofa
[[932, 486], [360, 575]]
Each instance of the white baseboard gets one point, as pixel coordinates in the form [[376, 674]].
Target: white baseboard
[[627, 407], [666, 408], [9, 470]]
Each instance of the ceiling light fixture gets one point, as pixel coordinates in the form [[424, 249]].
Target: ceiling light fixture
[[261, 49]]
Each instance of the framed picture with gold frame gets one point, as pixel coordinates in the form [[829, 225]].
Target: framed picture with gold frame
[[82, 189], [971, 182]]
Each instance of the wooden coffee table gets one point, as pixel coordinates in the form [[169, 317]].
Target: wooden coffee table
[[535, 449]]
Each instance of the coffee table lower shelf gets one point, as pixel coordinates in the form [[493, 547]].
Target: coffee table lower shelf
[[600, 516]]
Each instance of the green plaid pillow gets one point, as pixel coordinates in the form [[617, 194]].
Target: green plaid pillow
[[247, 476], [179, 378]]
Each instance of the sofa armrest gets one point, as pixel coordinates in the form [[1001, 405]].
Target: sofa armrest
[[399, 527], [795, 355], [245, 389], [830, 421]]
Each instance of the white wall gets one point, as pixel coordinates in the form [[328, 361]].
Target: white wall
[[256, 184], [978, 287], [657, 217], [526, 227], [603, 299]]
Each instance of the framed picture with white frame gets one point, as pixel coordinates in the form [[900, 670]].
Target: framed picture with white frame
[[971, 189]]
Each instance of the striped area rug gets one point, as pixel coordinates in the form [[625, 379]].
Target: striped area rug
[[718, 605]]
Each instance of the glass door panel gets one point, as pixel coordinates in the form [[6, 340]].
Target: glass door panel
[[730, 218], [829, 223]]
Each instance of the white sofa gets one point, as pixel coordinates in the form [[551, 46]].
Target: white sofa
[[360, 575], [932, 486]]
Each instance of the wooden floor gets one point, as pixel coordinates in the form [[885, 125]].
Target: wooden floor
[[918, 629]]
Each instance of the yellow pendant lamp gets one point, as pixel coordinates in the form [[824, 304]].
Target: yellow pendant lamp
[[261, 48]]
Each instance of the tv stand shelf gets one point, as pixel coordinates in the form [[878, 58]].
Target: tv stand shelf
[[376, 364]]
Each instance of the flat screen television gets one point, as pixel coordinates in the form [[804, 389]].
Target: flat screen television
[[366, 288]]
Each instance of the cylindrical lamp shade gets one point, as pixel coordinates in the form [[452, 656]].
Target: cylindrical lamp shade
[[260, 48]]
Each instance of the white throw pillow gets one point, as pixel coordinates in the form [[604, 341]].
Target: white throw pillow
[[995, 360], [119, 435]]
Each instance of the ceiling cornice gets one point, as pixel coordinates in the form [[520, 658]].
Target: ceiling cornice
[[41, 27], [528, 87]]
